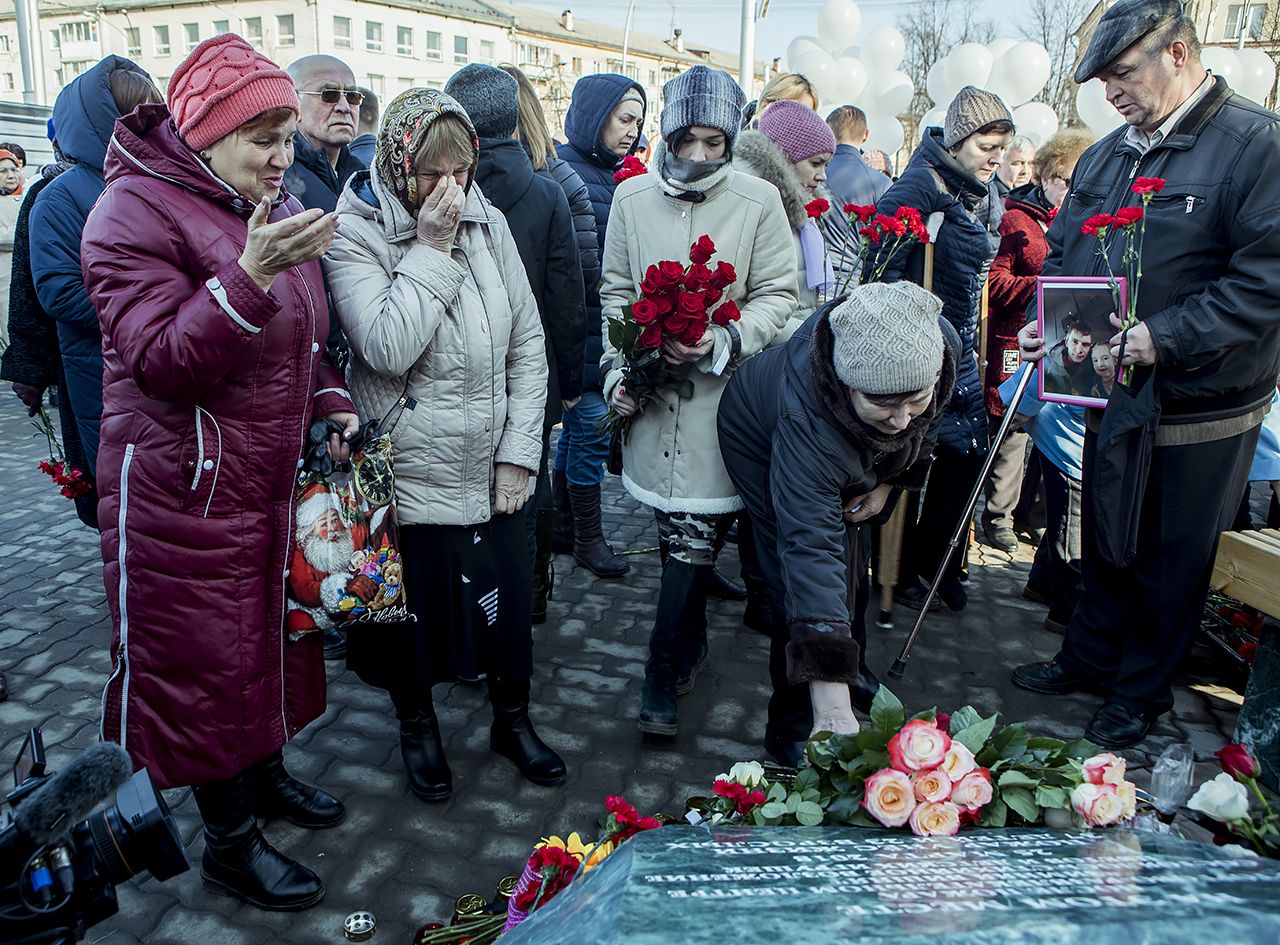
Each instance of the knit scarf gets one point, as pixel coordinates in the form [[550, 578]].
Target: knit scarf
[[818, 272]]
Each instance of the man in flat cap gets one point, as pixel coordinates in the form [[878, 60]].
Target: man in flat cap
[[1208, 340]]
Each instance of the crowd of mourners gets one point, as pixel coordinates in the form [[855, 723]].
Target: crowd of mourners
[[202, 273]]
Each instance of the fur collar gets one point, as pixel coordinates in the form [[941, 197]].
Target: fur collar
[[756, 155], [835, 397]]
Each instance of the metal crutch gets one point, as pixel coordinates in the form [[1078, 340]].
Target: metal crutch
[[900, 664]]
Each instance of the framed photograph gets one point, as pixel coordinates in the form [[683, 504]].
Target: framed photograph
[[1075, 323]]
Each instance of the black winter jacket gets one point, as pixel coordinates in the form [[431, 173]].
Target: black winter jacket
[[797, 451], [966, 247], [594, 99], [1210, 288], [584, 218], [313, 180], [538, 214]]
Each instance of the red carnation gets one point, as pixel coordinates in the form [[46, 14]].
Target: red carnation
[[644, 312], [728, 312], [702, 250], [863, 213], [555, 868], [724, 276], [910, 214], [47, 468], [816, 207], [1247, 651], [1098, 222], [1148, 185], [891, 225], [1128, 216], [632, 166], [870, 234], [625, 821]]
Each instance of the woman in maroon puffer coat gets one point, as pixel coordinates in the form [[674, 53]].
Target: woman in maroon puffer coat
[[206, 280]]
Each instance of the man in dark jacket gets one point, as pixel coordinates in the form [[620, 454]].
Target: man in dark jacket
[[363, 146], [815, 435], [848, 177], [1208, 340], [322, 162], [538, 213]]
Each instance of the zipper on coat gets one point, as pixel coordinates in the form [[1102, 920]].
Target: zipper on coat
[[217, 468], [122, 651]]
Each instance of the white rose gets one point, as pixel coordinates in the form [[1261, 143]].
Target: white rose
[[1224, 799], [747, 773]]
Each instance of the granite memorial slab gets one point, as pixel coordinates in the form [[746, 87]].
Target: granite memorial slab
[[1258, 724], [989, 887]]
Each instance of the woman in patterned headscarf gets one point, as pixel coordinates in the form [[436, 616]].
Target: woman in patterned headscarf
[[434, 300]]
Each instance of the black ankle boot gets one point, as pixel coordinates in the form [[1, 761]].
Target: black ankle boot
[[659, 714], [281, 795], [589, 547], [422, 750], [562, 533], [512, 734], [238, 860], [543, 571]]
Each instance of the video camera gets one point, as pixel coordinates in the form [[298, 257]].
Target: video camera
[[61, 858]]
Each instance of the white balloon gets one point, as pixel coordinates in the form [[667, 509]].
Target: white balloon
[[934, 118], [999, 47], [838, 24], [818, 67], [885, 135], [1037, 121], [969, 64], [883, 50], [1223, 62], [1257, 74], [797, 48], [1003, 81], [847, 83], [1026, 68], [1094, 109], [890, 92]]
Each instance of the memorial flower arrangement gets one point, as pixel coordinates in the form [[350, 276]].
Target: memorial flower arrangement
[[72, 482], [880, 237], [936, 773], [1131, 224], [677, 302], [745, 796], [1227, 809]]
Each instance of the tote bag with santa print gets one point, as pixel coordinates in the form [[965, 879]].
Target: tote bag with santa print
[[346, 567]]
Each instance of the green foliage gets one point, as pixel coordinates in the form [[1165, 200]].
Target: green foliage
[[974, 736], [887, 714], [1021, 802]]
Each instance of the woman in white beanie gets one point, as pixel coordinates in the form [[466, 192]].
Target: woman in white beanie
[[816, 435], [671, 461]]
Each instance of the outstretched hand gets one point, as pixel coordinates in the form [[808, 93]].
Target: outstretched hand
[[271, 248]]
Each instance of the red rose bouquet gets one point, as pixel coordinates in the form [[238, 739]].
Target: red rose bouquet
[[677, 302]]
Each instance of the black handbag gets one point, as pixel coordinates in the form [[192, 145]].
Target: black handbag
[[1122, 465], [613, 464]]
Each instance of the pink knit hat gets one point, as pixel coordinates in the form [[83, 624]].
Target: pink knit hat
[[797, 129], [221, 85]]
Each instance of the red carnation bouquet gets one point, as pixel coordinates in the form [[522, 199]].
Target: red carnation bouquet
[[880, 236], [72, 482], [1131, 225], [677, 302]]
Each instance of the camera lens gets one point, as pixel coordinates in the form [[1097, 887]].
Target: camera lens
[[137, 834]]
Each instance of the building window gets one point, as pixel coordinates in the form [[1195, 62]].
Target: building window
[[221, 26], [373, 36], [55, 43], [77, 68], [378, 85], [534, 54], [4, 44], [8, 76], [79, 32], [404, 40], [1254, 15], [190, 36], [284, 30], [577, 65], [405, 84], [253, 31], [653, 77], [488, 52], [435, 49], [461, 51], [342, 32], [435, 85], [160, 36], [133, 41], [632, 71]]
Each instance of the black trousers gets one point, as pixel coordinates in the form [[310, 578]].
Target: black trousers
[[924, 542], [1134, 626]]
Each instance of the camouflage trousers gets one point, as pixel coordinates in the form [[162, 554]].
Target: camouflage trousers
[[691, 537]]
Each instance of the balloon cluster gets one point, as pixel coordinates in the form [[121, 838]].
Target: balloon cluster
[[1251, 72]]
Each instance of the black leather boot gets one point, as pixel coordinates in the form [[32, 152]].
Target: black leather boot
[[723, 587], [562, 535], [512, 734], [238, 860], [543, 571], [589, 547], [281, 795], [422, 750]]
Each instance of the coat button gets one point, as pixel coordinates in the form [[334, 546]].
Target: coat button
[[208, 464], [315, 346], [286, 572], [665, 454]]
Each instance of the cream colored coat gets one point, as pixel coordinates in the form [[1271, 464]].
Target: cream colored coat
[[459, 333], [671, 458]]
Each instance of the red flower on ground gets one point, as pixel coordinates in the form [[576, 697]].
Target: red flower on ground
[[816, 207], [702, 250], [728, 312], [1148, 185], [744, 800], [1247, 651], [624, 821], [943, 721], [1098, 222], [863, 213], [644, 312], [555, 868], [632, 166], [1128, 216], [1237, 761], [724, 276]]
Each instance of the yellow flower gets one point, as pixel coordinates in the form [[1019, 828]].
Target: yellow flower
[[591, 853]]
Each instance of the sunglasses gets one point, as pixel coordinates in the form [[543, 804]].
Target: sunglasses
[[331, 96]]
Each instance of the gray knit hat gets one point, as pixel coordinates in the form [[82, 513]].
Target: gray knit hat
[[971, 109], [702, 97], [489, 97], [887, 339]]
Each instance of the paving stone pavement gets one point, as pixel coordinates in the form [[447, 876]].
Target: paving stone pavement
[[406, 861]]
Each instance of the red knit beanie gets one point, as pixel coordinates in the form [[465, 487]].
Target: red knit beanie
[[797, 129], [221, 85]]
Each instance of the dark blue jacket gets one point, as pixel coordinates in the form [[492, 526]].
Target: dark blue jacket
[[594, 99], [85, 117], [966, 246], [851, 181]]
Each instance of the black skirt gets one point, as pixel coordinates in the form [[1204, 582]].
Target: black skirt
[[469, 587]]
